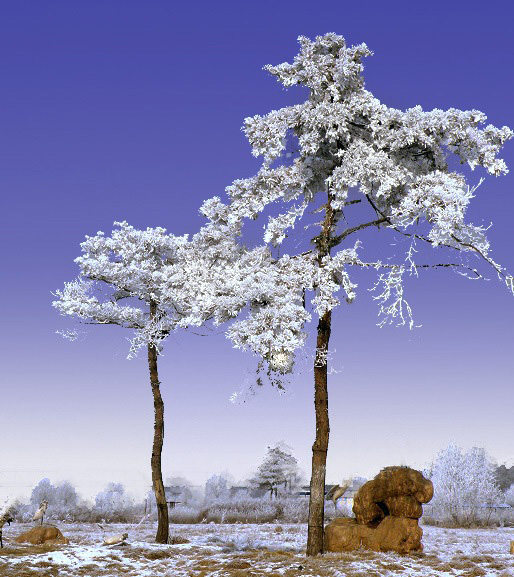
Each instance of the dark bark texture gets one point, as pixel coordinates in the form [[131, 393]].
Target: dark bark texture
[[158, 439], [315, 531], [320, 446]]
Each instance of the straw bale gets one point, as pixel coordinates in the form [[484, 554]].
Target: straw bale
[[39, 535], [371, 501], [392, 534], [397, 481], [344, 534], [365, 505], [404, 506], [397, 534]]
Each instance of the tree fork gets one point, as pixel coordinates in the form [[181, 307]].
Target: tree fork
[[158, 439]]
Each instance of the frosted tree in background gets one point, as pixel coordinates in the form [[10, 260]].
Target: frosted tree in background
[[111, 499], [62, 498], [363, 166], [216, 488], [278, 471], [463, 482], [509, 495]]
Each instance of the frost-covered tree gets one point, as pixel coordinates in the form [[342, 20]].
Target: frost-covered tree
[[67, 497], [120, 284], [505, 476], [362, 165], [154, 283], [463, 482], [216, 488], [509, 495], [43, 491], [62, 498], [277, 472], [111, 499]]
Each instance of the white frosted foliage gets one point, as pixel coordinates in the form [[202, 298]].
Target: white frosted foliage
[[119, 277], [350, 148]]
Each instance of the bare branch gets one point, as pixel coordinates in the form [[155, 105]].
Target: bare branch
[[480, 253], [337, 239], [379, 264]]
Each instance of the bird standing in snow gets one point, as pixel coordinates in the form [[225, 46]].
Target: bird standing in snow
[[40, 513], [5, 518]]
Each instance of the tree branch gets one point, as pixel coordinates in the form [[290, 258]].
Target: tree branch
[[337, 239], [407, 234], [469, 245], [478, 251], [379, 264]]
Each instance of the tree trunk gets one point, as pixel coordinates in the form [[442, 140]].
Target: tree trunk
[[158, 437], [315, 531], [320, 446]]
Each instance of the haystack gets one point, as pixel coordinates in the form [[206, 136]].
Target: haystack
[[49, 535], [386, 510], [396, 491]]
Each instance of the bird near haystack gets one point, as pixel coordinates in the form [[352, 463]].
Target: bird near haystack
[[40, 513], [5, 518], [338, 491], [116, 539]]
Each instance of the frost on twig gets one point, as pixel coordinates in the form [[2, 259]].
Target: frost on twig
[[70, 335], [393, 307]]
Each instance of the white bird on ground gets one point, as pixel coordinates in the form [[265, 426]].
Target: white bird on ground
[[116, 539], [40, 513], [120, 538], [5, 518], [338, 491]]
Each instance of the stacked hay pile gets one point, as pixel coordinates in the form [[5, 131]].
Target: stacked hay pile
[[47, 534], [386, 510]]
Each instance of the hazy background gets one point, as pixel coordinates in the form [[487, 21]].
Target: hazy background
[[127, 110]]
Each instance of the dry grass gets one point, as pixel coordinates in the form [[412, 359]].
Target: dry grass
[[251, 551]]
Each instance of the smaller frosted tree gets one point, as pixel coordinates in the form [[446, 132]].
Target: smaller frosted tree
[[62, 498], [154, 283], [111, 500], [216, 489], [277, 472], [463, 482], [67, 498], [121, 284]]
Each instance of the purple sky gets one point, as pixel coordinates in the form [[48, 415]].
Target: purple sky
[[125, 110]]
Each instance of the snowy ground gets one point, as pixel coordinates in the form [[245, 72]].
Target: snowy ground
[[271, 550]]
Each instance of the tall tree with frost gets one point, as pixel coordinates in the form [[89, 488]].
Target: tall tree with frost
[[340, 148]]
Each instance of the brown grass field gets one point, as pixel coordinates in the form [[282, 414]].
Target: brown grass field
[[242, 550]]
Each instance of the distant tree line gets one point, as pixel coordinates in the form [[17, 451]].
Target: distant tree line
[[504, 477]]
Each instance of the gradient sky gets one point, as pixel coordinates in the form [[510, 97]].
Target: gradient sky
[[131, 110]]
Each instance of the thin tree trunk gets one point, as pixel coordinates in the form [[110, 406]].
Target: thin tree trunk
[[319, 448], [158, 437], [315, 533]]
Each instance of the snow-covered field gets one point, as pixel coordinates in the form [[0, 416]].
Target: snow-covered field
[[271, 550]]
